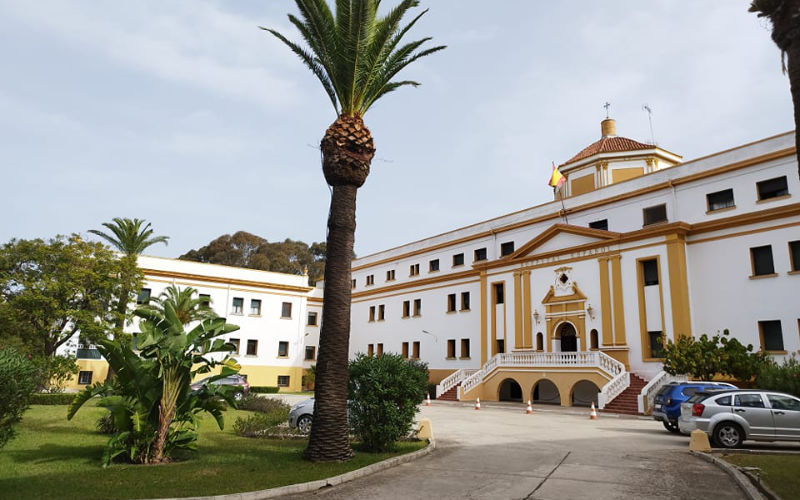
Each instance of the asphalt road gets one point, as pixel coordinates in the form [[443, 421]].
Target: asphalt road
[[500, 452]]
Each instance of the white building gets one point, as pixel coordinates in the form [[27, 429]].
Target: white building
[[555, 304]]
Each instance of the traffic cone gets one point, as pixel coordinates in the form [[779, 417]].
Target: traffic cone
[[478, 404], [428, 402], [529, 410], [593, 414]]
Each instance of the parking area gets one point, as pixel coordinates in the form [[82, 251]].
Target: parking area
[[555, 453]]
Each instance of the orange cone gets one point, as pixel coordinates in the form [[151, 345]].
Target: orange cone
[[428, 402], [478, 404], [593, 414], [529, 410]]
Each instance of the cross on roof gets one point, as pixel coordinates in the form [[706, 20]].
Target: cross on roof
[[607, 105]]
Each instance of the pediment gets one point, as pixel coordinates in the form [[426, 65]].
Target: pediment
[[559, 237]]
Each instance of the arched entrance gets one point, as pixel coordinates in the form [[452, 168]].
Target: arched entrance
[[510, 390], [584, 393], [546, 392], [568, 337]]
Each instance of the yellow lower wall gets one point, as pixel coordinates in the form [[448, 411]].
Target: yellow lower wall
[[98, 367], [437, 375], [564, 379]]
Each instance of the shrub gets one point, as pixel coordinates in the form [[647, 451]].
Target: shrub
[[702, 358], [56, 371], [261, 423], [44, 398], [265, 389], [784, 377], [263, 405], [105, 424], [17, 382], [383, 395]]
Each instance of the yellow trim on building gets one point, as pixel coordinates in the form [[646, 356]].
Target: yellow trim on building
[[484, 315], [619, 338], [678, 285], [527, 340], [605, 302]]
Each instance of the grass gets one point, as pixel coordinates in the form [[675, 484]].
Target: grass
[[52, 457], [779, 472]]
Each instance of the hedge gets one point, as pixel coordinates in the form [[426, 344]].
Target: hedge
[[40, 398], [264, 389]]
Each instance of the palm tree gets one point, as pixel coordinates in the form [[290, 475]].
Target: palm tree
[[355, 54], [131, 237], [785, 18], [187, 306]]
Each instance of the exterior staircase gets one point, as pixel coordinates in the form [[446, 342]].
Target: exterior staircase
[[628, 401], [451, 394]]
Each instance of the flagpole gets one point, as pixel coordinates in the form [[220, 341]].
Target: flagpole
[[563, 208]]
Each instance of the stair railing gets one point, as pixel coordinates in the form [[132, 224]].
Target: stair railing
[[453, 380], [648, 393]]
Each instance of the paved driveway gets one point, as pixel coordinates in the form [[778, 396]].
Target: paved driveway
[[500, 452]]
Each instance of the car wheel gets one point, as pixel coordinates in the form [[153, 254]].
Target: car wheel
[[671, 426], [728, 435], [304, 424], [238, 396]]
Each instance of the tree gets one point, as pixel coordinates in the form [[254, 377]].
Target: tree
[[188, 306], [131, 237], [785, 18], [18, 377], [51, 290], [705, 357], [355, 54]]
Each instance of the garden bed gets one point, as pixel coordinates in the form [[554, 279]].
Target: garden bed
[[55, 458], [778, 471]]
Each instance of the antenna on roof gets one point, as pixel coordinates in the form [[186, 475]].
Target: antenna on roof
[[649, 110], [607, 105]]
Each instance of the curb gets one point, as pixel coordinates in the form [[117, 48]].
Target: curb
[[321, 483], [741, 480]]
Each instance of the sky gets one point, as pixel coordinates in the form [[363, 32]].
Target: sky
[[184, 113]]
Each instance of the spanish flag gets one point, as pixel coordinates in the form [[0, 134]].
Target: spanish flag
[[556, 178]]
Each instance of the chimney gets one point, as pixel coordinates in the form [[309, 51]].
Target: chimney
[[608, 127]]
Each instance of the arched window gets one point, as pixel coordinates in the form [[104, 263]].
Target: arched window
[[539, 342], [593, 340]]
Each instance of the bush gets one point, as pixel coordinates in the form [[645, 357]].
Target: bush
[[44, 398], [265, 389], [56, 371], [18, 377], [383, 395], [105, 424], [702, 358], [260, 423], [263, 405], [784, 377]]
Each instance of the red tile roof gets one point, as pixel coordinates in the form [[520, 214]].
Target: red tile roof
[[611, 144]]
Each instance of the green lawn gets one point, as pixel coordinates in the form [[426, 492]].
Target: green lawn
[[52, 457], [779, 472]]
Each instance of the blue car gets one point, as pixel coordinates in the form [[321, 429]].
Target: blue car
[[667, 403]]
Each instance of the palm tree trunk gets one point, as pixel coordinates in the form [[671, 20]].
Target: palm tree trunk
[[166, 412], [329, 436], [793, 68]]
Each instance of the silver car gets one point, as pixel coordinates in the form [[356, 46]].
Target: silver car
[[301, 415], [730, 417]]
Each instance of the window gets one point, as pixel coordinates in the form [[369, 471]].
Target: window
[[205, 300], [594, 340], [84, 378], [480, 254], [405, 350], [417, 307], [655, 214], [311, 353], [286, 310], [720, 199], [371, 313], [415, 350], [465, 301], [794, 255], [451, 348], [312, 319], [236, 343], [748, 400], [237, 306], [781, 402], [501, 345], [433, 265], [381, 312], [87, 353], [252, 347], [458, 259], [353, 284], [599, 224], [255, 307], [370, 279], [761, 258], [771, 335], [283, 349], [539, 341], [499, 293], [451, 303], [379, 350], [390, 275], [283, 380], [464, 348], [506, 248], [650, 272], [413, 270], [144, 296], [370, 350], [772, 188], [656, 340], [723, 401], [406, 308]]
